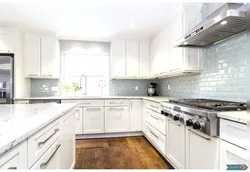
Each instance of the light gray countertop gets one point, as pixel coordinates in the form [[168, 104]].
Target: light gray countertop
[[19, 121], [237, 116]]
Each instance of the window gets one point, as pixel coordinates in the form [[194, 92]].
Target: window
[[95, 67]]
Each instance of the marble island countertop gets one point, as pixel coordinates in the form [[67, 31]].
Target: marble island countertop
[[237, 116], [19, 121]]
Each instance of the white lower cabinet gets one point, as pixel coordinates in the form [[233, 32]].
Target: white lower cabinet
[[51, 159], [176, 143], [231, 154], [202, 151], [93, 120], [135, 115], [116, 119], [16, 158], [78, 121]]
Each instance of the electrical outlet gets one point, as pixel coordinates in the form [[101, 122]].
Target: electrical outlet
[[168, 87], [136, 88]]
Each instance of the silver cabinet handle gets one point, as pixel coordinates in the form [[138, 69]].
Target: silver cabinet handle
[[41, 143], [116, 108], [154, 134], [174, 123], [116, 102], [200, 135], [47, 75], [44, 164], [12, 168], [154, 106], [93, 108], [154, 117], [33, 75]]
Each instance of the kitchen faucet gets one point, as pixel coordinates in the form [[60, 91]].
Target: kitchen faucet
[[85, 89]]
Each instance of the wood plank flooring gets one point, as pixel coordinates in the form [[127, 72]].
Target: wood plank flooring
[[118, 153]]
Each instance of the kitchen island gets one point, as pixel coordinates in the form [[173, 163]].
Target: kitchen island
[[34, 136]]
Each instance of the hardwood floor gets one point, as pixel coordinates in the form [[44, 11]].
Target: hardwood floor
[[118, 153]]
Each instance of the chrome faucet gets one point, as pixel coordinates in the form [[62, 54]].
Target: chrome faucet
[[85, 89]]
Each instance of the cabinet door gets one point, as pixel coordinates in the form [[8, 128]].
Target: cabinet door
[[32, 56], [176, 53], [231, 154], [144, 59], [78, 121], [176, 136], [118, 62], [116, 119], [135, 115], [6, 42], [49, 57], [93, 119], [15, 158], [132, 59], [67, 140], [202, 151], [51, 158]]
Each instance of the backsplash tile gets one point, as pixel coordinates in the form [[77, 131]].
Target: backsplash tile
[[45, 87], [223, 75]]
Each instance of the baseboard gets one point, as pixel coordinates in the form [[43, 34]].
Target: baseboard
[[73, 165], [108, 135]]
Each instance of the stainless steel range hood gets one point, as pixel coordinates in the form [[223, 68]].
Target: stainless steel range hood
[[225, 22]]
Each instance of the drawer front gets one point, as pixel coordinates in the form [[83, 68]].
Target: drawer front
[[157, 138], [40, 142], [85, 103], [51, 158], [153, 106], [116, 102], [157, 120], [234, 132]]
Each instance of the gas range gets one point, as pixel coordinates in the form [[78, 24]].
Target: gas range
[[199, 114]]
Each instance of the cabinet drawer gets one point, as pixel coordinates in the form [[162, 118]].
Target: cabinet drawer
[[157, 120], [116, 102], [157, 138], [234, 132], [85, 103], [40, 142], [16, 158], [153, 106], [51, 158]]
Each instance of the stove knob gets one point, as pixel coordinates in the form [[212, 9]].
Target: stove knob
[[167, 113], [162, 112], [197, 126], [189, 122], [176, 117]]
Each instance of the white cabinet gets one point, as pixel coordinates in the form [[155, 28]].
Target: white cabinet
[[50, 59], [116, 119], [93, 120], [144, 59], [132, 59], [157, 120], [42, 57], [202, 151], [117, 59], [231, 154], [78, 120], [144, 117], [135, 115], [176, 143], [32, 56], [16, 158], [67, 140], [6, 40]]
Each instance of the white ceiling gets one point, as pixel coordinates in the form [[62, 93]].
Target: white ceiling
[[89, 19]]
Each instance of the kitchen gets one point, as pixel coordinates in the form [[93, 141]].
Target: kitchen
[[157, 90]]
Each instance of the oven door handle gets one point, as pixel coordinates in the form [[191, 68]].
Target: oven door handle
[[200, 135]]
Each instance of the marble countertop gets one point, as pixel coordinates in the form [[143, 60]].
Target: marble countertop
[[155, 98], [19, 121], [237, 116]]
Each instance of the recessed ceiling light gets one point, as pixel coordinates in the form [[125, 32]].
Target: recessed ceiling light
[[185, 43], [223, 22]]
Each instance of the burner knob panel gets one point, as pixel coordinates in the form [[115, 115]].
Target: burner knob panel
[[176, 117], [197, 126], [189, 122]]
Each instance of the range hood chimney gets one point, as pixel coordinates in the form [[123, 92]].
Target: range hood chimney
[[226, 22]]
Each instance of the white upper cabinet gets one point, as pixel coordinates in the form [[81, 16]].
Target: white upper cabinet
[[117, 59], [6, 40], [32, 56], [132, 57], [50, 61], [144, 59], [42, 58]]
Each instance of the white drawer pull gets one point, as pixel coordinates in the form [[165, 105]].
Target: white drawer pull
[[200, 135], [12, 168], [154, 134], [44, 164], [154, 117], [41, 143]]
